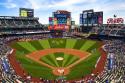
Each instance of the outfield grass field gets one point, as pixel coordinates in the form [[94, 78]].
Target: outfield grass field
[[35, 69]]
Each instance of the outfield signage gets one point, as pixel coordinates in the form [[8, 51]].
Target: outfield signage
[[61, 15], [115, 21]]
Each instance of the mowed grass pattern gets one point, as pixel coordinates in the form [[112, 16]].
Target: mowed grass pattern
[[83, 68], [51, 59]]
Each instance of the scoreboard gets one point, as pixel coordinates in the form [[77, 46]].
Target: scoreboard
[[91, 18], [100, 17], [60, 20], [24, 12]]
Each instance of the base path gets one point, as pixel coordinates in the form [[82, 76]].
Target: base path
[[38, 54]]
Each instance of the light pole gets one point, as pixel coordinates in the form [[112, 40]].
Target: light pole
[[114, 20]]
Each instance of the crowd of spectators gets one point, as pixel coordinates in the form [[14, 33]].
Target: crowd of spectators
[[114, 70], [116, 31], [18, 22]]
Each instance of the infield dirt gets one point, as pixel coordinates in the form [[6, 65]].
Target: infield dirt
[[38, 54]]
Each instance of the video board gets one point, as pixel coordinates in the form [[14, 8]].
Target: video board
[[62, 20], [95, 18], [24, 12], [100, 17], [91, 18]]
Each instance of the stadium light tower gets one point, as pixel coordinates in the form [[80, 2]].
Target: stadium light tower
[[114, 20], [115, 16]]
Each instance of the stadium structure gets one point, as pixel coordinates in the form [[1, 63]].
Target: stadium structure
[[59, 22], [31, 53], [89, 19]]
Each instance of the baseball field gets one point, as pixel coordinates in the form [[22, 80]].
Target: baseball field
[[53, 58]]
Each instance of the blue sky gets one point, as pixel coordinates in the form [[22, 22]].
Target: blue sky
[[44, 8]]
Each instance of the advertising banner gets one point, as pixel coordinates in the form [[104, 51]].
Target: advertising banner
[[115, 21], [50, 27], [100, 17], [55, 21], [62, 15]]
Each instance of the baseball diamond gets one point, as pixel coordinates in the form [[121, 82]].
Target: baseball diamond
[[39, 57]]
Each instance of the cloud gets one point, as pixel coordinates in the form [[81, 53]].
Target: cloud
[[77, 6], [8, 4], [66, 3], [44, 8], [39, 4], [46, 4]]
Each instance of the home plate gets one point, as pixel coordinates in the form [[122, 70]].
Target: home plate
[[60, 71]]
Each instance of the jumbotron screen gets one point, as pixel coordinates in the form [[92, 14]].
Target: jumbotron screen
[[26, 12]]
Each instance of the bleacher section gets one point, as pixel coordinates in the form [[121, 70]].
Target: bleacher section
[[19, 22], [105, 32], [113, 32], [10, 25]]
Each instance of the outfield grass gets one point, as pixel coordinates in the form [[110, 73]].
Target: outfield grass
[[83, 68], [57, 43], [70, 43]]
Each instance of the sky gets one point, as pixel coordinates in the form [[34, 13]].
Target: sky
[[44, 8]]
